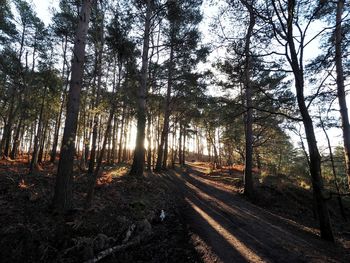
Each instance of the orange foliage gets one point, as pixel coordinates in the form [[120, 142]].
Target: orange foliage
[[105, 179]]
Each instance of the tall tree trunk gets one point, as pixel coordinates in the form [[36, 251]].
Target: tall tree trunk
[[212, 142], [180, 144], [163, 146], [100, 44], [34, 161], [16, 139], [93, 178], [42, 144], [149, 139], [127, 120], [248, 165], [47, 146], [59, 117], [183, 157], [87, 140], [120, 148], [114, 139], [93, 144], [174, 147], [6, 137], [340, 202], [139, 153], [166, 148], [341, 87], [197, 144], [219, 148], [315, 158], [32, 131], [63, 197]]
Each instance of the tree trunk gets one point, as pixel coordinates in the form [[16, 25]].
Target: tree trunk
[[87, 140], [139, 153], [127, 120], [16, 139], [166, 148], [173, 148], [59, 117], [163, 147], [99, 54], [63, 197], [315, 159], [248, 165], [183, 147], [114, 139], [340, 202], [120, 148], [32, 131], [341, 87], [93, 178], [42, 144], [34, 161], [149, 139], [180, 144], [6, 138]]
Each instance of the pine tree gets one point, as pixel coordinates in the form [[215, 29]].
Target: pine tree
[[63, 197]]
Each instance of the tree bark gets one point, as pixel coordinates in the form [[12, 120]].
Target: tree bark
[[59, 117], [341, 87], [163, 146], [180, 144], [126, 133], [114, 139], [15, 144], [315, 159], [63, 197], [42, 143], [149, 139], [34, 161], [96, 120], [248, 166], [340, 202], [183, 153], [94, 176], [139, 153], [6, 139], [120, 148]]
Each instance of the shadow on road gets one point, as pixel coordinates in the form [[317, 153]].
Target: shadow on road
[[235, 230]]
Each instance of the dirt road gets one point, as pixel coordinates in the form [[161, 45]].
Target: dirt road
[[227, 228]]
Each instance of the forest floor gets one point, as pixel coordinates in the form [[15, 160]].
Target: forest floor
[[125, 218], [206, 219]]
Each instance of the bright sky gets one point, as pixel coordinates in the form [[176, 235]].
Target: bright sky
[[43, 7]]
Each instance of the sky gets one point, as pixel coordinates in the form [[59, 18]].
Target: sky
[[43, 8]]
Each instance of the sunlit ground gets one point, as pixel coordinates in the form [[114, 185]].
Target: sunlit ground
[[245, 251], [112, 173]]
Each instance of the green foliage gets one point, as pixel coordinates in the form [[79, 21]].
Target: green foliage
[[7, 26]]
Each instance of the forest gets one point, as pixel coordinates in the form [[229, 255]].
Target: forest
[[174, 131]]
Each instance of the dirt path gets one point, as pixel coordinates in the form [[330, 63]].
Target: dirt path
[[227, 228]]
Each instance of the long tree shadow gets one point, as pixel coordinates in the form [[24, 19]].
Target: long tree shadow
[[245, 229], [234, 199]]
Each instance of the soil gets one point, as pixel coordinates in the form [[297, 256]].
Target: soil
[[206, 219]]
